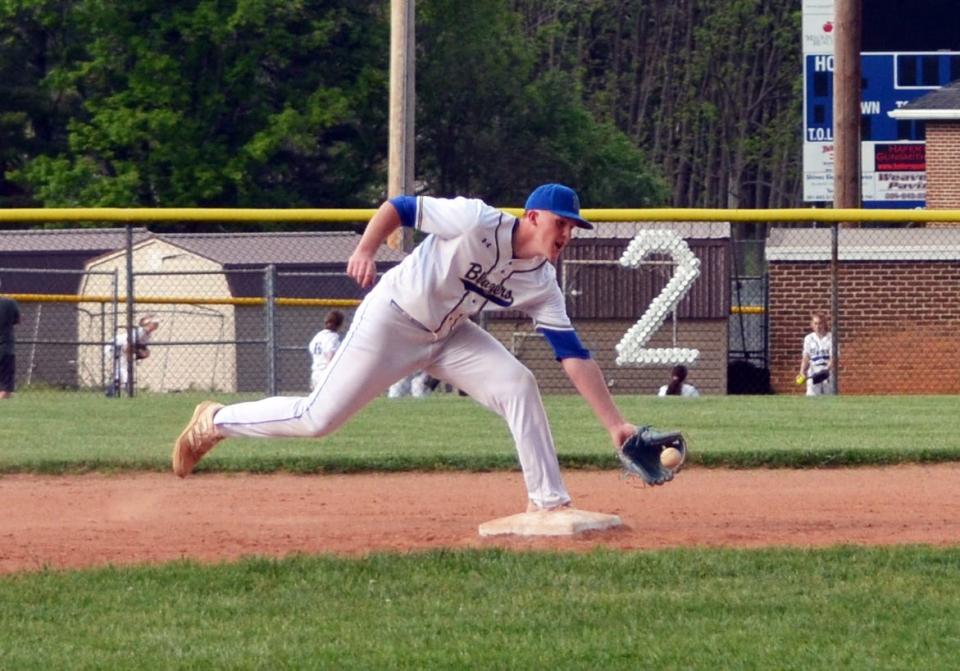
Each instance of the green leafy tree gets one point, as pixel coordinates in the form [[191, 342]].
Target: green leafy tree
[[492, 124], [271, 103], [708, 88], [36, 39]]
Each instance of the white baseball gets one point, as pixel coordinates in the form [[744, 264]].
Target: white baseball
[[671, 457]]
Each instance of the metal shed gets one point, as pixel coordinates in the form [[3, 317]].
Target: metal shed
[[199, 345]]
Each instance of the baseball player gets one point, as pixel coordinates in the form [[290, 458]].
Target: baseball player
[[818, 356], [122, 352], [678, 384], [9, 317], [324, 344], [417, 317], [416, 385]]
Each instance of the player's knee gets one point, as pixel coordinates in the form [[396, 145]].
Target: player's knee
[[519, 382], [323, 424], [318, 427], [526, 378]]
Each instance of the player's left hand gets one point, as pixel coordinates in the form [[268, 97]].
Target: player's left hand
[[621, 432], [362, 268], [640, 455]]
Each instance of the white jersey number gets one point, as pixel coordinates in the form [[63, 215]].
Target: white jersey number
[[631, 350]]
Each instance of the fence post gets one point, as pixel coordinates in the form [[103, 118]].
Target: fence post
[[128, 361], [109, 332], [269, 291], [835, 303]]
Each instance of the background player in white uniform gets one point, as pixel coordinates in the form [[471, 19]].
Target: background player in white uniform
[[122, 352], [678, 385], [324, 345], [818, 355], [416, 385], [418, 317]]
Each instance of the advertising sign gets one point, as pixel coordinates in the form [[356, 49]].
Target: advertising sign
[[892, 151]]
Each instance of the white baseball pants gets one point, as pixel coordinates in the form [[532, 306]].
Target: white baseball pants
[[384, 345]]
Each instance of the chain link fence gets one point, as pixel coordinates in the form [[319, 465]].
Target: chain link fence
[[891, 293], [236, 311]]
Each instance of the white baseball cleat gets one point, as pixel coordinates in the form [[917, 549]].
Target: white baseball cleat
[[199, 437], [534, 508]]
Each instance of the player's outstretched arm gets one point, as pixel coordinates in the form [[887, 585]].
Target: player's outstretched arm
[[587, 377], [361, 266]]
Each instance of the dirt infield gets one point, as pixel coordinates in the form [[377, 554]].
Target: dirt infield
[[94, 520]]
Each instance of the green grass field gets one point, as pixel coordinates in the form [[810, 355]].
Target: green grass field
[[60, 432], [842, 607]]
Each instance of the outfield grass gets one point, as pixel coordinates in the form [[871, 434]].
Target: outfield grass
[[838, 608], [842, 608], [69, 432]]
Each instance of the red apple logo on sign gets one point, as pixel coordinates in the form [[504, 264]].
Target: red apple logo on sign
[[828, 27]]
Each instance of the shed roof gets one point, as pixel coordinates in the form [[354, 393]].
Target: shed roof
[[942, 104], [628, 229], [259, 249], [225, 248], [864, 244], [94, 240]]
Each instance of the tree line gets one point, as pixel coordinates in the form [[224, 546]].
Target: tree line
[[284, 103]]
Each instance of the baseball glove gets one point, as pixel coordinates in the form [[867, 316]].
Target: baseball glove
[[640, 455], [820, 376], [140, 352]]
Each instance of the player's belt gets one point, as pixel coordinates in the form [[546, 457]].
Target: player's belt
[[407, 316]]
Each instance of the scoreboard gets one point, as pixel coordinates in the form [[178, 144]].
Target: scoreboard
[[892, 157]]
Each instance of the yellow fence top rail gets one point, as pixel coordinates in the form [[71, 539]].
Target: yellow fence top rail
[[240, 215], [132, 214], [184, 300]]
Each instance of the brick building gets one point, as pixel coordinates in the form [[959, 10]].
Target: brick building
[[939, 110], [899, 287], [899, 306]]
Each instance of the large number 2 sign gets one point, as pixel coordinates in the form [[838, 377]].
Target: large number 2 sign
[[631, 350]]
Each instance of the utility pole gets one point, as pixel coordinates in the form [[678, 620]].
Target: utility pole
[[402, 100], [847, 84]]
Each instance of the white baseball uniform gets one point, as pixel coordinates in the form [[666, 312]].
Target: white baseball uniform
[[685, 390], [418, 385], [321, 348], [412, 385], [818, 350], [418, 317], [141, 336]]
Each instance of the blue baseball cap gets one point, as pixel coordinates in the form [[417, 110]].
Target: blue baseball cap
[[559, 199]]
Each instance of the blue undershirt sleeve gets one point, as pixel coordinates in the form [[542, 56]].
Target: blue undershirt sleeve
[[406, 207], [565, 344]]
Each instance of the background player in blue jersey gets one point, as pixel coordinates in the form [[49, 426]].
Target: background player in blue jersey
[[417, 317]]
